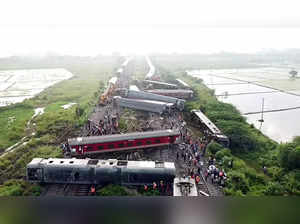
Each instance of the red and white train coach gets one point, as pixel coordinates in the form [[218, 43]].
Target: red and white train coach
[[119, 142]]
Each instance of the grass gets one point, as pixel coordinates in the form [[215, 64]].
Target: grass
[[13, 120], [55, 124]]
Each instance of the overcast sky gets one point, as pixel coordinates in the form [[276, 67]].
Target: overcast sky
[[138, 26]]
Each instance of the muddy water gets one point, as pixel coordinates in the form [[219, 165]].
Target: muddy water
[[280, 126]]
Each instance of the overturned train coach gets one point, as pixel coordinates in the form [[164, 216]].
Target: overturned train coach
[[201, 121], [145, 105], [178, 93], [92, 171], [120, 142], [132, 94]]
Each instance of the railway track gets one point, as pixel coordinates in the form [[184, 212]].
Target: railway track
[[202, 187], [67, 190], [55, 190], [78, 190], [162, 154]]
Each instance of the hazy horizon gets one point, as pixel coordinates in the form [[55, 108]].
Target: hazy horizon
[[89, 28]]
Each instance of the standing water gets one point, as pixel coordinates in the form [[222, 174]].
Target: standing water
[[247, 93]]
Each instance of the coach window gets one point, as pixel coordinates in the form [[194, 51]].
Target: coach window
[[111, 146], [133, 178], [139, 143], [148, 142], [122, 163], [121, 145], [90, 148], [129, 144], [157, 140], [76, 176], [100, 147], [159, 164]]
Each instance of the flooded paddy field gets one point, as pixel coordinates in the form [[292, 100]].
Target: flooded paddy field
[[18, 85], [247, 88], [280, 126], [297, 92], [273, 77], [250, 103], [234, 89]]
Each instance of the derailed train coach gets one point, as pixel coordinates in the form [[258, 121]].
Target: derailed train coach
[[182, 84], [178, 93], [145, 105], [132, 94], [120, 142], [99, 172], [204, 123], [158, 84]]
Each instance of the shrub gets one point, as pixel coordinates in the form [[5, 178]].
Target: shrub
[[254, 178], [112, 190], [238, 181], [222, 153], [241, 138], [274, 188], [296, 140], [289, 156], [214, 147]]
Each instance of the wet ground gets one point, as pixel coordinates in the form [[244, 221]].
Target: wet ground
[[18, 85], [232, 86]]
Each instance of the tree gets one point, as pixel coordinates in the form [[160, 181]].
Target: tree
[[289, 156], [296, 140], [241, 138]]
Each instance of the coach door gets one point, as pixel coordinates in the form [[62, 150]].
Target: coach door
[[35, 174]]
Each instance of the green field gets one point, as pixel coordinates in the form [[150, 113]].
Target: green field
[[13, 121], [50, 128]]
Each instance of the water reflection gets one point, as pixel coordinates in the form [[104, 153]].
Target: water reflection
[[253, 102], [238, 89], [280, 126]]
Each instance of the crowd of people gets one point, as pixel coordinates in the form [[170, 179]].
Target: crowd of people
[[216, 175], [192, 153], [160, 188], [106, 126]]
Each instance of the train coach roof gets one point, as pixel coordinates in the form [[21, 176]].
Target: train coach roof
[[154, 102], [151, 96], [183, 83], [121, 137], [210, 125], [169, 91], [73, 162], [160, 83], [150, 164]]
